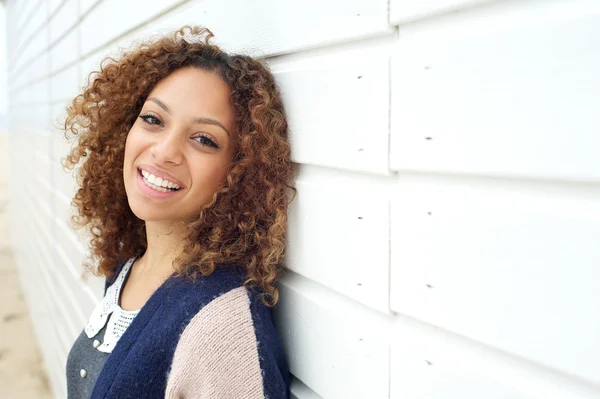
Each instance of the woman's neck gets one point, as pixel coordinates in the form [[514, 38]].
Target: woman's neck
[[164, 244]]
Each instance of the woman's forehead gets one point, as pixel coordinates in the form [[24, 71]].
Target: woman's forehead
[[194, 93]]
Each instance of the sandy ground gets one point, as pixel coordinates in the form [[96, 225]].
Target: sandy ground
[[21, 368]]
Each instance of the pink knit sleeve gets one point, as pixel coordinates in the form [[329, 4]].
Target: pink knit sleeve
[[217, 354]]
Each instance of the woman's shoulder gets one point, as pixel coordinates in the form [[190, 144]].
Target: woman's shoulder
[[235, 305], [233, 333], [223, 294], [183, 298]]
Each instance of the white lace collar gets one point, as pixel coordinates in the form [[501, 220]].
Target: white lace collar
[[120, 319]]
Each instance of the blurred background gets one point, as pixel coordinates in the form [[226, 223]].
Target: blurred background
[[22, 370], [444, 241]]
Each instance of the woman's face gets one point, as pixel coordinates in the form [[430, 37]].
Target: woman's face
[[179, 148]]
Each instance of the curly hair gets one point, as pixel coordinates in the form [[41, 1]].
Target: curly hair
[[245, 221]]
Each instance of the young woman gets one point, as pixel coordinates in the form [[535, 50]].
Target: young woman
[[184, 173]]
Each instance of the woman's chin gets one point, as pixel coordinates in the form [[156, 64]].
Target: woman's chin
[[148, 213]]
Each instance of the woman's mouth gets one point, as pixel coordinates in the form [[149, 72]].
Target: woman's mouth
[[156, 183]]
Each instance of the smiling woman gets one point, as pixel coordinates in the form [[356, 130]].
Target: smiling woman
[[184, 172]]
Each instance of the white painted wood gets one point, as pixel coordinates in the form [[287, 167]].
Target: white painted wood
[[408, 10], [91, 63], [64, 85], [63, 20], [300, 391], [29, 11], [15, 8], [26, 56], [35, 93], [64, 248], [86, 5], [65, 52], [11, 29], [336, 347], [19, 80], [501, 90], [58, 313], [29, 73], [68, 319], [28, 34], [69, 258], [339, 234], [64, 190], [429, 363], [265, 26], [49, 337], [53, 5], [510, 265], [39, 69], [70, 245], [39, 305], [338, 110], [129, 16], [31, 118]]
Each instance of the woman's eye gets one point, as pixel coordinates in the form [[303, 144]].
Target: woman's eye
[[150, 119], [206, 141]]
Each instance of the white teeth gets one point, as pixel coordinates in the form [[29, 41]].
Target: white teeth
[[158, 182], [155, 187]]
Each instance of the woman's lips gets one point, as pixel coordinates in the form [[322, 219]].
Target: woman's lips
[[160, 173], [151, 192]]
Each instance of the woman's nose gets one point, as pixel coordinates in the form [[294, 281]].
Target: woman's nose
[[168, 148]]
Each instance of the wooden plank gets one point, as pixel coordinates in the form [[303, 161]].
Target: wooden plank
[[338, 110], [65, 52], [335, 346], [269, 26], [64, 86], [402, 11], [339, 234], [30, 38], [487, 92], [63, 20], [510, 265], [428, 362]]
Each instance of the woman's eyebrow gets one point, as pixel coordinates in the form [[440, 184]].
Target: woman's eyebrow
[[204, 121], [209, 121], [160, 104]]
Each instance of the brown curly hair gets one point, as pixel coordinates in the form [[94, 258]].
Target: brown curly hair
[[245, 221]]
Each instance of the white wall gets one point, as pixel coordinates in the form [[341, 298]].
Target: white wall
[[443, 244], [3, 87]]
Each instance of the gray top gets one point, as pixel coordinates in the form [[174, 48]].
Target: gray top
[[84, 365]]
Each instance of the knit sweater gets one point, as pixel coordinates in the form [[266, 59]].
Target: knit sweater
[[212, 338]]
